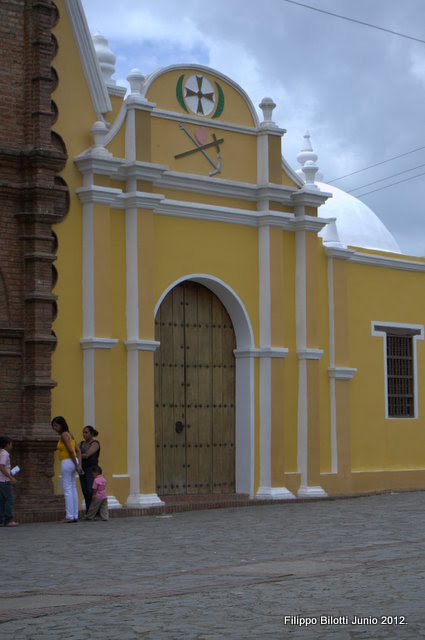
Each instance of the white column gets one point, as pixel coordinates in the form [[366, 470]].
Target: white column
[[304, 353], [134, 345]]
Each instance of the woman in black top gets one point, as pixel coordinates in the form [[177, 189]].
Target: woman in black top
[[90, 450]]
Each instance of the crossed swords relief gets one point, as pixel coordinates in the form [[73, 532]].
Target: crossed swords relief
[[199, 140]]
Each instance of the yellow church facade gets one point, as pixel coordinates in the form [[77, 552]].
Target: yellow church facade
[[217, 342]]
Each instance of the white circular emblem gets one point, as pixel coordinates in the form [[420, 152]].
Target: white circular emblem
[[199, 95]]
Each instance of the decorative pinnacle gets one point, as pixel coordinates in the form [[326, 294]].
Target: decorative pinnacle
[[99, 131], [267, 105], [307, 158], [136, 80], [106, 58]]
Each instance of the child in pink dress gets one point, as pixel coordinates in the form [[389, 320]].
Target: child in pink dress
[[99, 502]]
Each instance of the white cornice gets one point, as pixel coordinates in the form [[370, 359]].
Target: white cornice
[[309, 354], [142, 171], [264, 352], [196, 120], [139, 200], [342, 373], [391, 263], [97, 343], [108, 166], [98, 194], [90, 64], [309, 223], [338, 252], [142, 345], [374, 260], [309, 197], [116, 90]]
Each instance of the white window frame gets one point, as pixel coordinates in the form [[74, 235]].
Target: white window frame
[[419, 328]]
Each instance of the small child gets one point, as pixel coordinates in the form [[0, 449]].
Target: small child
[[99, 501], [6, 481]]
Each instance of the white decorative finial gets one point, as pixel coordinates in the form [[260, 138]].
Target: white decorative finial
[[309, 171], [267, 105], [106, 58], [99, 131], [136, 80]]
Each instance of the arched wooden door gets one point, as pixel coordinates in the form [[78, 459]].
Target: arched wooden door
[[194, 393]]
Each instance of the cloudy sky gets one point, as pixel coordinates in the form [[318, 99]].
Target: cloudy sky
[[360, 91]]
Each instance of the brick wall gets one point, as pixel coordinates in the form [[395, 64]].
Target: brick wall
[[32, 199]]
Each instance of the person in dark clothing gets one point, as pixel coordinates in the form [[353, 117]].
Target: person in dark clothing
[[90, 451]]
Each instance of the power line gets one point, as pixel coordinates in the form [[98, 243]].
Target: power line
[[394, 175], [365, 24], [400, 155], [391, 185]]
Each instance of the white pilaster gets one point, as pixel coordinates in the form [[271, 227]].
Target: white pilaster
[[304, 353], [134, 345]]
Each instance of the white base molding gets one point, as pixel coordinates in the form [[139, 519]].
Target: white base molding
[[274, 493], [113, 503], [311, 492], [140, 500]]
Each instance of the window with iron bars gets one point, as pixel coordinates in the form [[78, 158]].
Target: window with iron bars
[[400, 365], [400, 376]]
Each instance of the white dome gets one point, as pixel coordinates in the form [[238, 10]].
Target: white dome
[[356, 224]]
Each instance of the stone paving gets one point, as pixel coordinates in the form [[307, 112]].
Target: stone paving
[[344, 570]]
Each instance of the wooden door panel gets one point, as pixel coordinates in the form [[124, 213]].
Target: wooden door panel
[[194, 385], [223, 399], [170, 395], [198, 411]]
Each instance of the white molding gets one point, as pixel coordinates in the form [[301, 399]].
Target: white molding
[[142, 345], [200, 211], [311, 492], [89, 61], [340, 252], [274, 493], [98, 343], [120, 475], [143, 500], [140, 200], [371, 260], [98, 195], [309, 354], [198, 120], [88, 163], [383, 334], [292, 173], [264, 352], [309, 223], [389, 263], [306, 197], [116, 90], [342, 373]]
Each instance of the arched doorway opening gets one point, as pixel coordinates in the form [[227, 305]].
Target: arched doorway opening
[[194, 393]]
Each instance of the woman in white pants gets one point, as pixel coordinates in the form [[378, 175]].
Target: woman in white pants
[[70, 458]]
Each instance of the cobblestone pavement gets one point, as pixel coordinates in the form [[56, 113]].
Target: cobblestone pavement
[[299, 571]]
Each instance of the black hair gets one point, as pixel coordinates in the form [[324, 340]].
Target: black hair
[[4, 441], [60, 420], [97, 469], [92, 430]]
